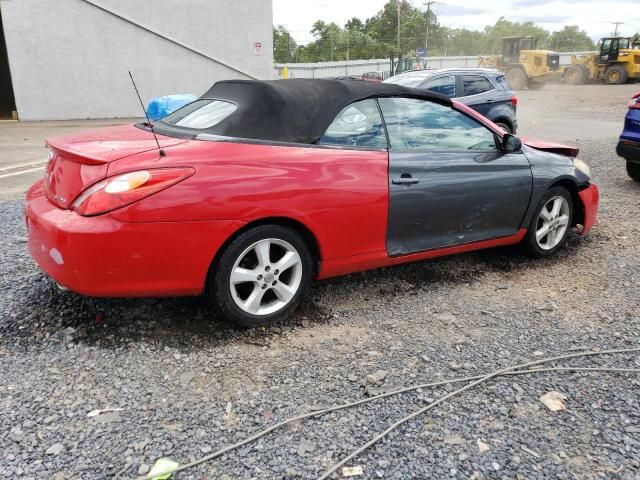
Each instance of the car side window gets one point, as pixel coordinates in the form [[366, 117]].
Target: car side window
[[475, 84], [444, 85], [415, 124], [357, 125]]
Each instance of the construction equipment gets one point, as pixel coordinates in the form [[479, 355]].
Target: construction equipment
[[617, 62], [523, 65], [399, 64]]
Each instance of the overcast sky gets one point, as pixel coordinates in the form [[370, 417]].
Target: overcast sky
[[594, 16]]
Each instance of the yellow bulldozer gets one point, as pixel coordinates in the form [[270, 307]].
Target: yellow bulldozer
[[523, 65], [618, 61]]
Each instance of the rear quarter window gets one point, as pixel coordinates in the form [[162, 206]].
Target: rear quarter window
[[475, 84], [501, 82], [413, 81], [201, 114], [357, 125]]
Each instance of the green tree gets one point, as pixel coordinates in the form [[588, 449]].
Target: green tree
[[461, 41], [326, 46], [354, 25], [284, 46], [333, 43], [493, 34], [570, 39], [383, 26], [377, 36]]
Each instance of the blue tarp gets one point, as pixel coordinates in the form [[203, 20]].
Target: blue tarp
[[160, 107]]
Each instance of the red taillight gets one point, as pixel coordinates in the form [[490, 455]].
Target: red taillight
[[635, 101], [514, 100], [127, 188]]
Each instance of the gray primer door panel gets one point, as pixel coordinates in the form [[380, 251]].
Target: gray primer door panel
[[440, 199]]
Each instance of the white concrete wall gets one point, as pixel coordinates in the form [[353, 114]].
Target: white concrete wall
[[358, 67], [69, 59]]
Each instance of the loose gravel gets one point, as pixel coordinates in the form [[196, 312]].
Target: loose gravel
[[99, 389]]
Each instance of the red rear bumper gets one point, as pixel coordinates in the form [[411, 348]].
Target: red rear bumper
[[590, 199], [99, 256]]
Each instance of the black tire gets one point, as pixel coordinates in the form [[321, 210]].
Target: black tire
[[517, 79], [633, 170], [219, 287], [615, 75], [575, 75], [536, 85], [529, 243], [504, 125]]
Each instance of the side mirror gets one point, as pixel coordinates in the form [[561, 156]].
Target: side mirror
[[511, 143]]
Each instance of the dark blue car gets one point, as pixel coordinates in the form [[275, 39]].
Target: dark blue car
[[629, 143], [483, 89]]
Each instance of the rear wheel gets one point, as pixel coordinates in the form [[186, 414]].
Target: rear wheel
[[261, 276], [575, 75], [615, 75], [517, 79], [633, 170], [550, 224], [504, 125]]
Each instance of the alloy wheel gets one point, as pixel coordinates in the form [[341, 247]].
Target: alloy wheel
[[553, 222], [266, 276]]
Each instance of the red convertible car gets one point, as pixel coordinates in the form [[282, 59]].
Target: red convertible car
[[257, 187]]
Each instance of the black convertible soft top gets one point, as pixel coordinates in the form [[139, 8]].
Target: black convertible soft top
[[296, 110]]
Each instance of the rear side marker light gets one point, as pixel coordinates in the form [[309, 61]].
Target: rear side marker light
[[124, 189], [514, 100]]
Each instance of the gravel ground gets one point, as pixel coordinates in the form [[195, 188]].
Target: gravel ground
[[187, 385]]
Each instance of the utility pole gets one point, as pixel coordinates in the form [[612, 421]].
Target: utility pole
[[428, 19], [332, 47], [615, 32], [348, 41], [398, 42], [288, 47]]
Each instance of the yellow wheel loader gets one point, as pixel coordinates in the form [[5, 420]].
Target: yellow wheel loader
[[523, 65], [618, 61]]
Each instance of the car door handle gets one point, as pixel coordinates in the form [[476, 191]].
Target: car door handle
[[408, 180]]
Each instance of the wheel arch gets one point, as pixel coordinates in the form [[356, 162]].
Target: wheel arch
[[505, 120], [307, 234], [520, 67], [573, 188], [566, 181]]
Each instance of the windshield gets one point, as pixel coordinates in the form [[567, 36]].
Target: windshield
[[407, 80], [200, 114], [527, 43]]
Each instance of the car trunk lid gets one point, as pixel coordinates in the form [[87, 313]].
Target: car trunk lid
[[80, 160]]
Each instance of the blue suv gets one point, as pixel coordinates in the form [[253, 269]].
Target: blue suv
[[629, 143], [482, 89]]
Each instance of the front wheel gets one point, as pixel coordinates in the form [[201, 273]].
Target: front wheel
[[550, 224], [633, 170], [575, 75], [261, 276], [615, 75]]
